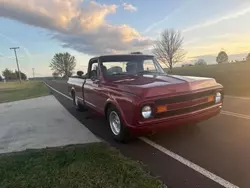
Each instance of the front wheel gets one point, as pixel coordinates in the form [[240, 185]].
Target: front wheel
[[117, 127]]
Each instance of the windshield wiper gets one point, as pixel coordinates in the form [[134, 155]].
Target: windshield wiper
[[148, 72], [118, 73]]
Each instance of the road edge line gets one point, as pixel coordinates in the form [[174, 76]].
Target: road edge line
[[228, 113], [235, 97], [68, 97], [189, 164]]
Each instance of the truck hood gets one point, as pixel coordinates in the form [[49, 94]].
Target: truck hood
[[147, 86]]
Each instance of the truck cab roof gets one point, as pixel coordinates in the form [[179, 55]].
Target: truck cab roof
[[121, 56]]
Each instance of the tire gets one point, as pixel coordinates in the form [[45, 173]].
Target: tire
[[120, 132], [78, 106]]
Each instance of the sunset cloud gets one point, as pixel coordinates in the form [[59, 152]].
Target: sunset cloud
[[129, 7], [77, 24]]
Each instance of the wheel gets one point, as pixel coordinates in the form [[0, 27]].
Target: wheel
[[117, 127], [76, 103]]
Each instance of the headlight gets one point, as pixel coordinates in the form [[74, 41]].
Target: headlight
[[146, 111], [218, 97]]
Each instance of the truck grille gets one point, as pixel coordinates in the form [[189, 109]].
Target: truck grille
[[183, 110], [185, 103], [187, 97]]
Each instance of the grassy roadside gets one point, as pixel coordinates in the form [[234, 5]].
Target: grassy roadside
[[13, 91], [91, 166]]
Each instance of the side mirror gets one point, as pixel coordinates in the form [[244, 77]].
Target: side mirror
[[79, 73], [93, 75]]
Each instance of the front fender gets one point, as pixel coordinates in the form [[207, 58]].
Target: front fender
[[126, 105]]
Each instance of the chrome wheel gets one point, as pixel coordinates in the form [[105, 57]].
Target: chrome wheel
[[115, 123]]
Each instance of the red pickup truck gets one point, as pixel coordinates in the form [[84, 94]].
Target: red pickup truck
[[137, 97]]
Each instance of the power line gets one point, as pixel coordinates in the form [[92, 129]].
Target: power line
[[19, 73]]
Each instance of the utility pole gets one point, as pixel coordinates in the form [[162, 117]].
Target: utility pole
[[19, 73], [33, 70]]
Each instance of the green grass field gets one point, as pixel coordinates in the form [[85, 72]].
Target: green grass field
[[13, 91], [90, 166], [235, 77]]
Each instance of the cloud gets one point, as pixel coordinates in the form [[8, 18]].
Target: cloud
[[129, 7], [76, 24], [155, 24], [109, 40], [218, 20], [169, 15], [218, 37], [192, 41]]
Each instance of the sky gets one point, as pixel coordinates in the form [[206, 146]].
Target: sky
[[87, 28]]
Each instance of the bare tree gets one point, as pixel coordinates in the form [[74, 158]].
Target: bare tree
[[168, 49]]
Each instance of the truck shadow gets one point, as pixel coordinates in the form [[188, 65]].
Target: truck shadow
[[183, 132]]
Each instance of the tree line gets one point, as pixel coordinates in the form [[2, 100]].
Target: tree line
[[10, 75]]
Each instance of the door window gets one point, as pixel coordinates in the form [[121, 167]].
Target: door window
[[94, 71]]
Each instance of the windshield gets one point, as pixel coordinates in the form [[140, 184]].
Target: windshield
[[131, 65]]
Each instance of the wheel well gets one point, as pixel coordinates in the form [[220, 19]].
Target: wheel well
[[108, 105]]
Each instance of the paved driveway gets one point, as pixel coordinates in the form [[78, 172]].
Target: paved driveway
[[38, 123]]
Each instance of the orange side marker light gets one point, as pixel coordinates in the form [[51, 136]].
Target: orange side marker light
[[161, 108]]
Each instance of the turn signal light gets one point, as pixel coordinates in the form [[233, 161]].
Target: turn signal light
[[162, 108], [210, 99]]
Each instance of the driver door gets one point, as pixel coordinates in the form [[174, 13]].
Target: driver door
[[92, 87]]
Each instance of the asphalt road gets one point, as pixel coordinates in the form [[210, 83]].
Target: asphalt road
[[211, 154]]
